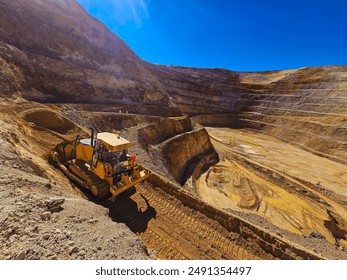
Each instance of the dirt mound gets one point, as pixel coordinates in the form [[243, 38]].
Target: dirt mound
[[77, 230]]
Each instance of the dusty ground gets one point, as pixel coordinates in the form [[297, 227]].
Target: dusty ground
[[259, 174], [29, 229]]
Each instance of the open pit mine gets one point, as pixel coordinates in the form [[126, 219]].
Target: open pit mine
[[238, 165]]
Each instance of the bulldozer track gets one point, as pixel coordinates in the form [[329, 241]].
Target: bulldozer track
[[220, 244], [201, 231], [175, 231], [102, 186], [178, 226]]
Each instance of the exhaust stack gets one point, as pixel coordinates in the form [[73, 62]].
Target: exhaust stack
[[92, 137]]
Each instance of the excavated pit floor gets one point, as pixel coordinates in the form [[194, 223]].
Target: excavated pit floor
[[291, 188]]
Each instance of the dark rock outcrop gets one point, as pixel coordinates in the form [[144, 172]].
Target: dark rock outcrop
[[61, 54]]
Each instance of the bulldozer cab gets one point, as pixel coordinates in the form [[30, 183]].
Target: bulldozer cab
[[106, 147], [110, 148]]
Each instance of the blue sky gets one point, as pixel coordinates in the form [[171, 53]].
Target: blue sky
[[240, 35]]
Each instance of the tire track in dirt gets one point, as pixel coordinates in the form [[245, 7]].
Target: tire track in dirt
[[175, 231]]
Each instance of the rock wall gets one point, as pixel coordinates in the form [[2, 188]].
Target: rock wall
[[219, 120], [306, 107], [200, 91], [182, 153], [163, 129]]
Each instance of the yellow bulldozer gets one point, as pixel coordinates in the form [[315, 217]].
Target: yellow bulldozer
[[101, 164]]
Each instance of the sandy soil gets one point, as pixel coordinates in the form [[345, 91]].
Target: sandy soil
[[305, 200]]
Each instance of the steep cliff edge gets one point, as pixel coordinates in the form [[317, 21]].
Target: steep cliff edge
[[182, 152], [61, 54]]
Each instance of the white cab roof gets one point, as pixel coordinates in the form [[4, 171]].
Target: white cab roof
[[113, 140]]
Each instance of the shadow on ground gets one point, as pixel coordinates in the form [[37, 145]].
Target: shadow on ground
[[126, 210]]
